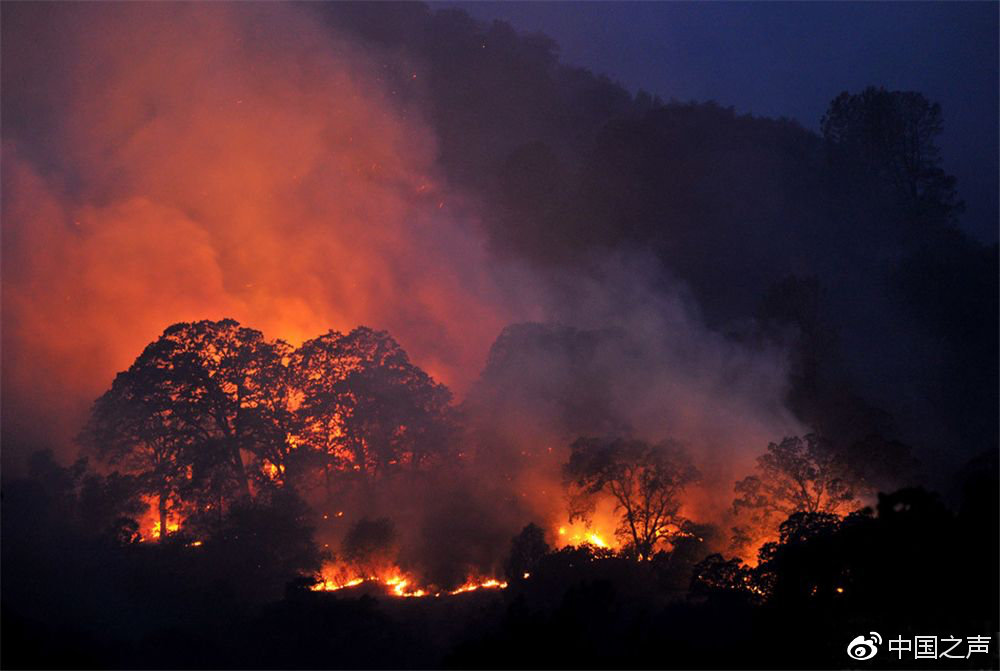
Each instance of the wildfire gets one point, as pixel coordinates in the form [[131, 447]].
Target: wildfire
[[272, 471], [328, 585], [399, 587], [472, 586], [172, 527], [579, 534], [397, 583], [149, 522]]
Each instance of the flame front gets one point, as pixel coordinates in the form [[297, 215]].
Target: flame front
[[334, 577]]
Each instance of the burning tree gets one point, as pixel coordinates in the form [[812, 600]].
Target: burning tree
[[130, 427], [194, 402], [645, 480], [364, 407], [798, 475]]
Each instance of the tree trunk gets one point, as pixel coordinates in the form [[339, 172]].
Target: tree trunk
[[241, 471], [162, 505]]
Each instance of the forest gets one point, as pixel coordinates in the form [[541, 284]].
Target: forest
[[450, 355]]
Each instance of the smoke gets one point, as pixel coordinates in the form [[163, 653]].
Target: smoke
[[175, 162], [166, 163], [630, 355]]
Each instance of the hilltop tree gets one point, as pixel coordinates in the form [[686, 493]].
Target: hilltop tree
[[645, 480], [890, 135], [235, 384], [798, 475], [364, 406], [193, 403]]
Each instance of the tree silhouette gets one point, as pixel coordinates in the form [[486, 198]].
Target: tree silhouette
[[715, 575], [798, 475], [133, 427], [645, 480], [891, 136], [232, 387], [526, 550], [364, 406], [111, 505], [193, 403]]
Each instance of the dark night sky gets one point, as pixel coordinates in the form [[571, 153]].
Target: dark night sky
[[791, 59]]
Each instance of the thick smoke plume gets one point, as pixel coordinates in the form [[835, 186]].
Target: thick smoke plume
[[173, 163], [208, 161]]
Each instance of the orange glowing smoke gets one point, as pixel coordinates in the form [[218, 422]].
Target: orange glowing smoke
[[214, 160]]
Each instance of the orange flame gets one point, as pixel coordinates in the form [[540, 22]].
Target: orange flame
[[336, 577]]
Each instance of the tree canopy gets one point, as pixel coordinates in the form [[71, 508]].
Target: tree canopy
[[797, 475], [365, 406], [645, 480], [212, 412]]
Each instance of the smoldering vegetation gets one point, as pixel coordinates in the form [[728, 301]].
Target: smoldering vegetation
[[589, 311]]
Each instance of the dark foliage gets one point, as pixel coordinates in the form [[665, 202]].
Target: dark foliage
[[365, 406], [526, 551], [83, 599]]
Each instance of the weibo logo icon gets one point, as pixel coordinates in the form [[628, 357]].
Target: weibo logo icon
[[863, 648]]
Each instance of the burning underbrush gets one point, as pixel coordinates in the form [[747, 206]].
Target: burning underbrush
[[369, 544], [395, 582], [417, 553]]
